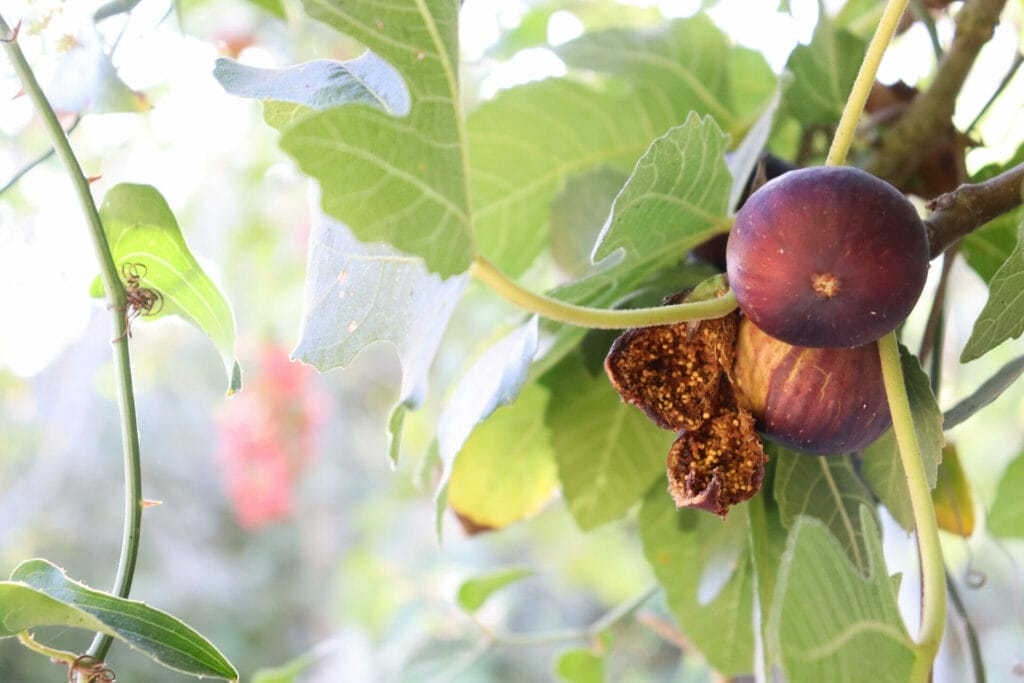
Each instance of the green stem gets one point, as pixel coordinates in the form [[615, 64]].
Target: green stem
[[933, 571], [599, 318], [117, 302], [865, 79]]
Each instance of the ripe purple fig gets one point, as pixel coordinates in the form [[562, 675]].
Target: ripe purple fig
[[814, 400], [827, 257]]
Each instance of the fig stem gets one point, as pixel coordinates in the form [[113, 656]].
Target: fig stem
[[597, 318], [933, 570], [116, 301], [865, 79]]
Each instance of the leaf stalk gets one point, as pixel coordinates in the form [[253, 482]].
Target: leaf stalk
[[933, 570], [597, 318]]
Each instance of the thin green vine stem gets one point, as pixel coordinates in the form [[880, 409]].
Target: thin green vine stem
[[598, 318], [117, 302], [933, 570], [865, 79]]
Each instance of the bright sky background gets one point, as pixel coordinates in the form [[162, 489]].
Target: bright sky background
[[43, 274]]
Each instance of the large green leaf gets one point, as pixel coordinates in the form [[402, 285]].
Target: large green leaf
[[987, 248], [577, 215], [829, 621], [505, 472], [358, 294], [827, 489], [1002, 317], [677, 195], [141, 229], [608, 452], [400, 180], [40, 594], [692, 554], [882, 467], [1006, 518], [823, 73]]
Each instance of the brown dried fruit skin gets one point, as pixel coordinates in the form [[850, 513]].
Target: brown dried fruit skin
[[719, 464], [681, 377], [672, 372]]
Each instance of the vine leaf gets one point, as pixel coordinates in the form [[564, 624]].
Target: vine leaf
[[357, 294], [396, 179], [1006, 518], [827, 489], [681, 546], [473, 593], [829, 621], [316, 85], [882, 468], [141, 229], [823, 73], [608, 453], [41, 594], [1002, 317], [505, 472]]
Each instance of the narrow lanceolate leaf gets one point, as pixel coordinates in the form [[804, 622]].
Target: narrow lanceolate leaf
[[831, 622], [676, 197], [318, 85], [608, 452], [823, 73], [708, 585], [396, 179], [505, 472], [882, 467], [1002, 317], [827, 489], [1006, 518], [41, 594], [473, 593], [357, 294], [145, 240]]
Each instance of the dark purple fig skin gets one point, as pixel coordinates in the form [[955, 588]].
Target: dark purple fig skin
[[813, 400], [854, 231]]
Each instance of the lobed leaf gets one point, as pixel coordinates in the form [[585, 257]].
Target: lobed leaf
[[608, 452], [1002, 317], [400, 180], [882, 468], [827, 489], [141, 229], [1006, 518], [357, 294], [41, 594], [473, 593], [707, 576], [831, 622]]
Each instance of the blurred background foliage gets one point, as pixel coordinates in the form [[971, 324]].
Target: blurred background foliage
[[282, 530]]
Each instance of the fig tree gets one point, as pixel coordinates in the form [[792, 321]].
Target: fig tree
[[827, 257]]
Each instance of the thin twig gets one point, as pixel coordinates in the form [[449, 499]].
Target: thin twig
[[38, 160], [1018, 59], [117, 299], [977, 663], [930, 114]]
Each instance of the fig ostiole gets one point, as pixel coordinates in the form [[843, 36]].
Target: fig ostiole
[[827, 257], [823, 401]]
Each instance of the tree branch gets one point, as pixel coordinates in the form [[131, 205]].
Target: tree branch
[[968, 207], [930, 114]]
